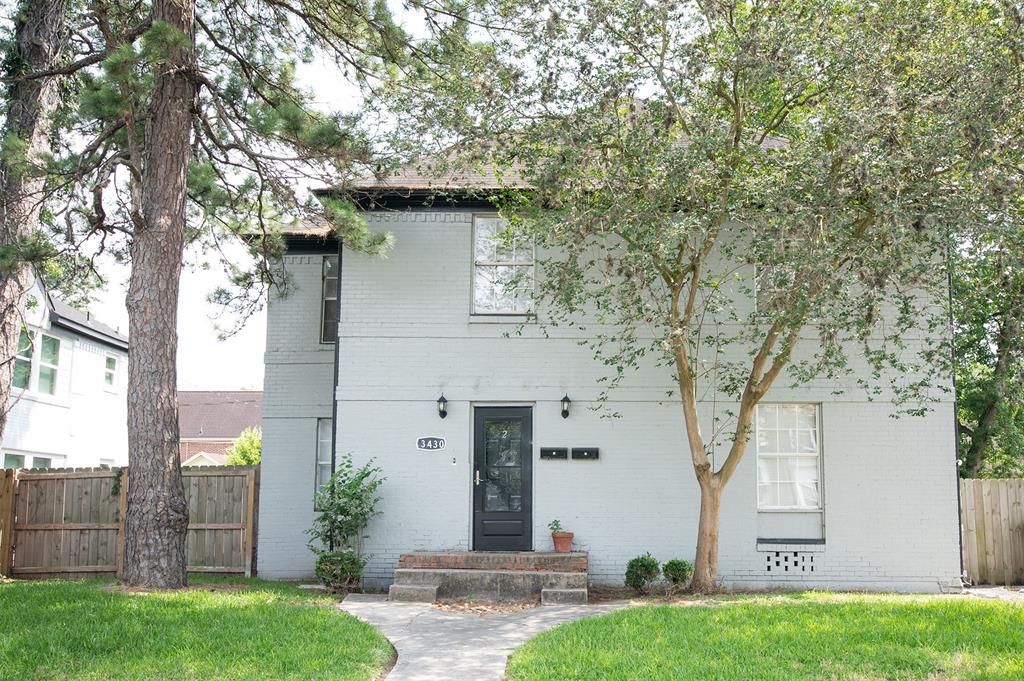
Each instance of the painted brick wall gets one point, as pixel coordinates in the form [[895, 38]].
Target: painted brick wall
[[407, 336], [296, 392]]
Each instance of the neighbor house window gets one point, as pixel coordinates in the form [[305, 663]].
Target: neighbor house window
[[110, 371], [329, 298], [502, 268], [26, 461], [49, 361], [23, 361], [788, 457], [323, 451]]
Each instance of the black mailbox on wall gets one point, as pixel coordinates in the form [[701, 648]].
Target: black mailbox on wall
[[554, 453], [584, 452]]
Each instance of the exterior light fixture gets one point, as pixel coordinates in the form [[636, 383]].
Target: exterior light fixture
[[565, 406], [442, 406]]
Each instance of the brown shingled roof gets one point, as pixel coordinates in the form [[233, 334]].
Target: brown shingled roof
[[218, 413]]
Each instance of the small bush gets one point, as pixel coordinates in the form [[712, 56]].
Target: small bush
[[677, 571], [340, 571], [641, 572]]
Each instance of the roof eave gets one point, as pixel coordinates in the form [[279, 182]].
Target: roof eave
[[83, 330]]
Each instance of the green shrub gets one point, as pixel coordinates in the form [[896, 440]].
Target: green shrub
[[247, 449], [340, 571], [677, 571], [641, 572]]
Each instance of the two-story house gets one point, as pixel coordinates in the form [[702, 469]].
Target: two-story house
[[68, 405], [485, 434]]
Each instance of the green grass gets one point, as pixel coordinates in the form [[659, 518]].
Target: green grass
[[253, 630], [805, 636]]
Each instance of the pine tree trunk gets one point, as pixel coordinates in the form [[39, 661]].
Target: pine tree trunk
[[157, 517], [705, 569], [39, 39]]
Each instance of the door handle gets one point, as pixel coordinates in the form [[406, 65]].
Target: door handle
[[476, 477]]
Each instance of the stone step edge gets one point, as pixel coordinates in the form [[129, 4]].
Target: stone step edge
[[485, 572], [412, 593], [563, 596]]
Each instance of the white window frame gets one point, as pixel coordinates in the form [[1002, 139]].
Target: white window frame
[[24, 458], [324, 440], [816, 456], [329, 294], [29, 358], [42, 364], [111, 373], [519, 264]]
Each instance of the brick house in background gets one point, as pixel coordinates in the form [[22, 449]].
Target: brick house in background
[[209, 421]]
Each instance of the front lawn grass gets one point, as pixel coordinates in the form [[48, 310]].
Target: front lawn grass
[[785, 637], [220, 629]]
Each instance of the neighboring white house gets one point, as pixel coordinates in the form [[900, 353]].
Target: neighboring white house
[[833, 493], [68, 405]]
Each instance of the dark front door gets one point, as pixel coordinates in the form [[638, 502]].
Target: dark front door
[[502, 479]]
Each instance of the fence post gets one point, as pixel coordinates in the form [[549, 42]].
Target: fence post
[[8, 490], [122, 510], [250, 517]]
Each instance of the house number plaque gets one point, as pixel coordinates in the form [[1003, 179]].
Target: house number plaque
[[430, 444]]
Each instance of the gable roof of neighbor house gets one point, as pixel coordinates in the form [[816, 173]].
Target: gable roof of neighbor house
[[217, 414], [83, 323]]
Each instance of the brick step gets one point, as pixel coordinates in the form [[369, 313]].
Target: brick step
[[490, 585], [496, 560]]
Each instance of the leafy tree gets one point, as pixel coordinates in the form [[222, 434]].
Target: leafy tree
[[247, 449], [988, 282], [185, 124], [690, 158]]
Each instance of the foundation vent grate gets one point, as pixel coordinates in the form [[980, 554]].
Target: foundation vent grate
[[780, 562]]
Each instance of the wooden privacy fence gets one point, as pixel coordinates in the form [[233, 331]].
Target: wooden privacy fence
[[67, 523], [992, 518]]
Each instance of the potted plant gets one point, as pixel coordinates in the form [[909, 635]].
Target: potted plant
[[561, 539]]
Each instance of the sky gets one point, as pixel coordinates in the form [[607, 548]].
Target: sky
[[204, 361]]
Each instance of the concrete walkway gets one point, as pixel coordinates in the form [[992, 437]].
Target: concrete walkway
[[435, 645]]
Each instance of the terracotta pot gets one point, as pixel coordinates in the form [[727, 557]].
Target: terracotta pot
[[562, 541]]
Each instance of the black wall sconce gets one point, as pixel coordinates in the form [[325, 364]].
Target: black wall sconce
[[442, 406], [565, 406]]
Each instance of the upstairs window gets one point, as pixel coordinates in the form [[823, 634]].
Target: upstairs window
[[23, 360], [329, 299], [788, 457], [110, 372], [503, 269], [49, 363]]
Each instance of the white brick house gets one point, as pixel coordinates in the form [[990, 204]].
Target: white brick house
[[68, 405], [833, 493]]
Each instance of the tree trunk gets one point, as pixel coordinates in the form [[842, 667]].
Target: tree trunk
[[705, 568], [39, 39], [981, 438], [157, 517]]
